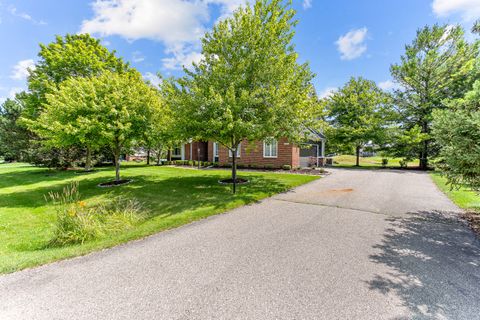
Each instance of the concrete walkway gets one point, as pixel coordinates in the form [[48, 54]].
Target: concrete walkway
[[357, 244]]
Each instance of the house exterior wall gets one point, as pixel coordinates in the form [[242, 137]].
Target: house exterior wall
[[193, 147], [252, 154]]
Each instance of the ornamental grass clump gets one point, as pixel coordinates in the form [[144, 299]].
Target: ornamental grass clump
[[77, 222]]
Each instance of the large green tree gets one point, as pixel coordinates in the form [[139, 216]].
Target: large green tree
[[111, 109], [249, 84], [436, 66], [358, 113], [457, 131], [69, 56], [13, 136]]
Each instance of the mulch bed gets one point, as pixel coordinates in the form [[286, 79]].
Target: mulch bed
[[307, 171], [230, 181], [473, 219], [114, 183]]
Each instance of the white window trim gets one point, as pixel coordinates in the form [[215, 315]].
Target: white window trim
[[239, 151], [276, 149], [216, 152]]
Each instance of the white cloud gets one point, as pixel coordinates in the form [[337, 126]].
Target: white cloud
[[327, 92], [468, 9], [178, 24], [153, 78], [20, 70], [352, 44], [388, 85], [182, 59], [13, 11], [307, 4], [137, 56], [170, 21], [11, 93]]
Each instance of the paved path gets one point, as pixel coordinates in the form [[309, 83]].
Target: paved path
[[354, 245]]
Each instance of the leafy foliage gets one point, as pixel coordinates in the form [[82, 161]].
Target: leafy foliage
[[13, 136], [358, 114], [70, 56], [458, 131], [249, 85], [438, 65], [112, 109]]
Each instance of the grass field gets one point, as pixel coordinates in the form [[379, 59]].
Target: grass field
[[464, 198], [348, 161], [173, 197]]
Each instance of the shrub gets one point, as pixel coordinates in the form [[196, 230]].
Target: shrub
[[384, 162], [76, 222], [269, 166], [403, 163], [287, 167]]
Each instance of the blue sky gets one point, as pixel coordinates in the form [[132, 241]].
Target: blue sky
[[339, 39]]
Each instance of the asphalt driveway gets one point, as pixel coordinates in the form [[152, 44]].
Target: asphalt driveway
[[357, 244]]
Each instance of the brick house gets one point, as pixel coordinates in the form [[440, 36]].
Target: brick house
[[258, 154]]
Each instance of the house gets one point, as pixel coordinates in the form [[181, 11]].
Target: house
[[271, 153]]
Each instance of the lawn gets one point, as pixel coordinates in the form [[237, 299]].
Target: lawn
[[464, 198], [348, 161], [172, 196]]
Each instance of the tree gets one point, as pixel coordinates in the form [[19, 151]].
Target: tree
[[457, 130], [13, 137], [70, 56], [249, 85], [436, 66], [68, 119], [476, 27], [113, 109], [161, 133], [358, 114]]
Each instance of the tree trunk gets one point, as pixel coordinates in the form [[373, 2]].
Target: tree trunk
[[117, 165], [234, 170], [88, 161], [424, 153], [148, 156], [424, 156], [159, 157], [357, 150], [198, 156]]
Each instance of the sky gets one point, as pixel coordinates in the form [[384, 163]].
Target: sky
[[339, 39]]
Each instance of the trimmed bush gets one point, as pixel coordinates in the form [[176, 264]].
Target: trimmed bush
[[269, 166], [287, 167], [384, 162]]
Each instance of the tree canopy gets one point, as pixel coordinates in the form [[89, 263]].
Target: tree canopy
[[358, 113], [111, 109], [249, 85], [436, 66], [457, 130]]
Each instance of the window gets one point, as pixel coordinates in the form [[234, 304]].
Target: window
[[215, 149], [270, 148], [177, 151], [239, 148]]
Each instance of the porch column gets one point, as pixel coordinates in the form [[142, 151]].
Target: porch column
[[323, 148]]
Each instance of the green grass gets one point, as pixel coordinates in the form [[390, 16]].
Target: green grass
[[173, 197], [464, 198], [348, 161]]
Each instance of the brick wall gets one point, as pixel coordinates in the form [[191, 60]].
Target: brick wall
[[194, 146], [252, 154]]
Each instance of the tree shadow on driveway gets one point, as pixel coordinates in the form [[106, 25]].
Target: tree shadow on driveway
[[433, 260]]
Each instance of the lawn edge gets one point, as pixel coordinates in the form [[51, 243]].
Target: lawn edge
[[154, 233]]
